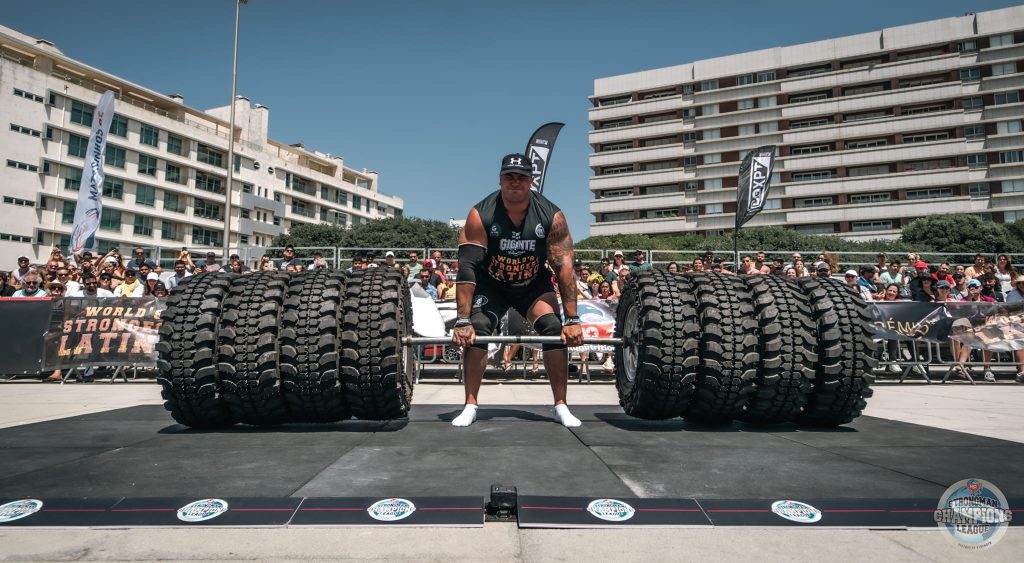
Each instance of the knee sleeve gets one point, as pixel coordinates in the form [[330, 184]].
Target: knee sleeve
[[549, 325], [483, 323]]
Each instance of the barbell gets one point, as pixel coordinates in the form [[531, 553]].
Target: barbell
[[507, 339]]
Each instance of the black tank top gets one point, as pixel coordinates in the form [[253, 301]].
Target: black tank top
[[516, 255]]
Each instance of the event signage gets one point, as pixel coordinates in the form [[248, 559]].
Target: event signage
[[998, 327], [102, 331], [90, 206], [539, 152], [755, 178]]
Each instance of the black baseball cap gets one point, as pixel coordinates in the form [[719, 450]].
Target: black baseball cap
[[516, 163]]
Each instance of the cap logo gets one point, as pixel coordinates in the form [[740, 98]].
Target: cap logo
[[515, 161]]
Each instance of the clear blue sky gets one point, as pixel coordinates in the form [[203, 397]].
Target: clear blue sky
[[432, 93]]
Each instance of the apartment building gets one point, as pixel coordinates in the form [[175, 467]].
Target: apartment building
[[874, 130], [165, 164]]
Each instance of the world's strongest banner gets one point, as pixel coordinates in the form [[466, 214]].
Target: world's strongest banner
[[105, 331]]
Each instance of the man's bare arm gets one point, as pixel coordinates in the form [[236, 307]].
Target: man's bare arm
[[560, 257], [473, 233]]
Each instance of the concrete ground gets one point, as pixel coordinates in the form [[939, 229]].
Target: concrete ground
[[994, 410]]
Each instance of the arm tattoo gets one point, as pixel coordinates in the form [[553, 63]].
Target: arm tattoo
[[560, 256]]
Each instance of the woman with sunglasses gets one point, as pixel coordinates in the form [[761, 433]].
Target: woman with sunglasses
[[6, 289], [56, 290]]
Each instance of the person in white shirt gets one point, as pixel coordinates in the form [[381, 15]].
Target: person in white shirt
[[131, 287], [180, 273], [90, 288]]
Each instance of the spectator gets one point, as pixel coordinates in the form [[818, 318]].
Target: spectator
[[791, 273], [106, 282], [370, 260], [131, 287], [210, 264], [436, 279], [446, 291], [414, 265], [760, 262], [431, 290], [926, 290], [91, 288], [406, 272], [266, 264], [234, 267], [942, 291], [143, 272], [881, 262], [180, 273], [618, 261], [943, 274], [6, 288], [974, 293], [959, 287], [959, 269], [990, 289], [1004, 273], [1016, 295], [777, 267], [605, 291], [620, 280], [891, 293], [709, 258], [850, 277], [866, 282], [975, 271], [140, 260], [639, 261], [921, 272], [893, 275], [963, 353], [56, 289], [801, 270], [64, 278], [22, 269], [160, 291], [792, 260], [698, 265], [30, 286], [357, 264], [245, 268], [747, 266], [672, 267], [319, 262], [288, 259], [823, 270], [389, 259]]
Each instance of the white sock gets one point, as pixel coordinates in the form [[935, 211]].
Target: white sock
[[564, 417], [467, 417]]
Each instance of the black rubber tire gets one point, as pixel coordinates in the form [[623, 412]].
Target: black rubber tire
[[187, 353], [375, 367], [728, 349], [310, 347], [657, 365], [842, 377], [787, 347], [248, 351]]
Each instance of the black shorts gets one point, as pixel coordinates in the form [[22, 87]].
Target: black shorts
[[491, 299]]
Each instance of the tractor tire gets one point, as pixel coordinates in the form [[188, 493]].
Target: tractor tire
[[248, 351], [657, 364], [788, 351], [842, 381], [310, 347], [187, 353], [375, 366], [728, 349]]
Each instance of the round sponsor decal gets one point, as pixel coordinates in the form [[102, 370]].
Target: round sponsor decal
[[611, 510], [796, 511], [201, 510], [974, 513], [19, 509], [539, 231], [391, 509], [479, 301]]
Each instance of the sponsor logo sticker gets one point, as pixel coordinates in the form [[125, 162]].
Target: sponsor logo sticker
[[391, 509], [19, 509], [202, 510], [796, 511], [539, 231], [611, 510], [495, 231], [974, 513], [479, 301]]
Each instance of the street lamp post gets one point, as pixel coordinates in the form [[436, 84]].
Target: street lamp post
[[231, 140]]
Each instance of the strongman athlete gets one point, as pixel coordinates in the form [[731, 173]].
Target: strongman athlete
[[502, 250]]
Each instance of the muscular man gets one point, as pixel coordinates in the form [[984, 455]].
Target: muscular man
[[502, 250]]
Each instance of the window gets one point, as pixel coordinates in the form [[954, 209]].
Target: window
[[657, 118], [810, 96], [815, 122], [689, 137], [710, 109], [825, 229], [807, 71], [688, 89], [661, 213], [238, 163], [744, 79], [604, 172], [615, 123], [1011, 186], [243, 239], [863, 89], [709, 85], [978, 189], [206, 209], [113, 187], [690, 188], [814, 202], [714, 208], [977, 160], [208, 183], [773, 204], [67, 215], [870, 198], [22, 165], [658, 190], [933, 193], [969, 45], [110, 219], [24, 202], [767, 127], [1001, 40], [970, 74], [766, 76], [20, 238], [147, 165], [616, 146], [658, 141], [210, 156], [145, 195], [926, 137], [972, 132], [1007, 127], [81, 113], [973, 103], [246, 188], [28, 95], [1007, 157], [149, 135], [77, 145], [710, 134], [658, 165], [922, 80], [620, 216], [173, 174], [615, 101], [929, 164], [691, 211], [811, 149], [813, 176], [866, 115], [174, 202], [119, 126], [744, 130], [745, 104], [766, 101], [713, 184], [115, 156], [26, 131], [1003, 68], [1006, 98], [206, 237], [244, 213], [174, 145], [73, 180], [143, 225], [862, 226]]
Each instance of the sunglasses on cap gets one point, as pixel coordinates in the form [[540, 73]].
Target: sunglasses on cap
[[850, 276], [56, 288]]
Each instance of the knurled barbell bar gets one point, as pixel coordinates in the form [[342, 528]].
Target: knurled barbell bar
[[508, 339]]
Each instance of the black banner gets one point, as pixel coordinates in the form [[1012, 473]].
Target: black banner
[[998, 327], [755, 178], [910, 320], [105, 331], [539, 151]]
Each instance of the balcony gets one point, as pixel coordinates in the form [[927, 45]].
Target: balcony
[[305, 212]]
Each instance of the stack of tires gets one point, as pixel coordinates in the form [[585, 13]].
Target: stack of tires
[[713, 348], [267, 348]]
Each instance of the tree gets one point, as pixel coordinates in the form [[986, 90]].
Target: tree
[[959, 232], [397, 232]]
